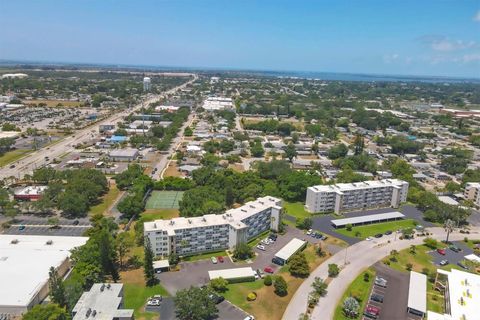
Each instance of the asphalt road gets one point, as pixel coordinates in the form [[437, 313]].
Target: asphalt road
[[36, 159], [395, 295], [357, 257]]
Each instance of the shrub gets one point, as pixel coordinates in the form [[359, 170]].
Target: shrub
[[252, 296], [366, 277], [333, 270], [409, 266], [465, 239], [281, 287], [349, 227], [350, 307], [358, 234], [268, 280], [431, 243]]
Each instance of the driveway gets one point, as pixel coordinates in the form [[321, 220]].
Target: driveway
[[196, 273], [360, 256]]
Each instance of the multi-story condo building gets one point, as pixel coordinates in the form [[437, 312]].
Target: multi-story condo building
[[186, 236], [472, 192], [350, 196]]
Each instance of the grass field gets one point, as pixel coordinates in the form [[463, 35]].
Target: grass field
[[372, 229], [296, 210], [154, 214], [268, 305], [136, 293], [360, 289], [164, 200], [107, 200], [12, 156]]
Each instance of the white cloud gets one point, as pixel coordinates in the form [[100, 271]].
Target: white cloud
[[444, 44], [471, 57], [477, 16], [389, 58]]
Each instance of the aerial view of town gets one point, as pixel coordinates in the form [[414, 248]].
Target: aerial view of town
[[257, 160]]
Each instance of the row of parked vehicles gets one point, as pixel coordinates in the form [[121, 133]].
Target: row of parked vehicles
[[316, 234], [372, 310], [267, 241]]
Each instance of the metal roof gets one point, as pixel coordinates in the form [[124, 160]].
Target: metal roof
[[290, 249], [417, 292], [369, 218]]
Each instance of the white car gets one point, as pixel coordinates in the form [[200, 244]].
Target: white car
[[249, 318], [260, 247], [368, 239], [309, 232], [214, 260]]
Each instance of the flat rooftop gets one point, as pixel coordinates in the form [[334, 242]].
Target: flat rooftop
[[369, 218], [232, 216], [234, 273], [417, 292], [24, 265], [340, 187], [290, 248]]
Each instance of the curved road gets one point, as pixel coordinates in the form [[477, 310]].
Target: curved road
[[36, 159], [359, 257]]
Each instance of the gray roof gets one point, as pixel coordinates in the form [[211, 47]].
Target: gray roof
[[369, 218]]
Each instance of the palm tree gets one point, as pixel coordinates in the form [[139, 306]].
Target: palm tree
[[449, 226]]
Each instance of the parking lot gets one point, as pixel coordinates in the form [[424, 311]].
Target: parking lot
[[196, 273], [40, 227], [450, 255]]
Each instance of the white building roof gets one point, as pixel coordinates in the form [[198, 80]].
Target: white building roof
[[103, 299], [472, 257], [232, 273], [24, 266], [369, 218], [123, 153], [417, 292], [290, 248], [341, 187], [161, 264], [448, 200], [30, 191], [232, 216]]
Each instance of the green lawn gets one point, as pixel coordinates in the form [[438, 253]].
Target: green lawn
[[372, 229], [135, 297], [237, 293], [107, 201], [358, 289], [296, 209], [12, 156], [205, 256], [155, 214]]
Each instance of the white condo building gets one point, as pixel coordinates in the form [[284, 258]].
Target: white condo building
[[187, 236], [349, 196], [472, 192], [147, 84], [217, 103]]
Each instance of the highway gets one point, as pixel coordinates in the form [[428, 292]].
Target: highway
[[34, 160], [357, 257]]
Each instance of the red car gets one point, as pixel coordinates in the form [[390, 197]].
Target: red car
[[220, 259], [441, 251], [268, 270], [373, 310]]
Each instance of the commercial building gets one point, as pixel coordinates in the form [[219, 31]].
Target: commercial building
[[24, 265], [233, 275], [417, 294], [29, 193], [104, 301], [123, 154], [283, 255], [462, 292], [217, 103], [358, 195], [187, 236], [147, 84], [471, 192]]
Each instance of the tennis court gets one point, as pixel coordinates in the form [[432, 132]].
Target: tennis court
[[164, 199]]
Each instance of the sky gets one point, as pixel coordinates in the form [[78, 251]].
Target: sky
[[397, 37]]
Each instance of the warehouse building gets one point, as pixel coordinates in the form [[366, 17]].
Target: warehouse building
[[24, 265], [104, 301], [233, 275], [359, 195], [283, 255], [187, 236], [123, 154]]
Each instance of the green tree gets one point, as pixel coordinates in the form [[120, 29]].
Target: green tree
[[195, 304], [280, 286], [150, 279], [124, 242], [319, 286], [290, 151], [431, 243], [358, 144], [449, 227], [337, 151], [242, 251], [50, 311], [268, 280], [57, 289], [333, 270], [298, 265], [219, 284]]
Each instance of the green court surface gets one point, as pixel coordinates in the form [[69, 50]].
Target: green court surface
[[164, 200]]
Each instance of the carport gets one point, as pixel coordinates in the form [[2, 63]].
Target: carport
[[161, 265], [373, 218], [417, 294]]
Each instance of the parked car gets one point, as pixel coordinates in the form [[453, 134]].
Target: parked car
[[158, 296], [216, 298], [378, 235], [75, 222], [249, 318], [260, 247], [371, 310], [368, 238], [376, 297], [389, 232], [444, 262], [153, 302], [272, 236], [12, 166], [441, 251], [214, 260], [309, 232], [220, 259], [21, 228], [260, 273], [268, 270], [454, 248], [381, 282], [461, 265]]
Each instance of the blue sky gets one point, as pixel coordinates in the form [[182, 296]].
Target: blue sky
[[412, 37]]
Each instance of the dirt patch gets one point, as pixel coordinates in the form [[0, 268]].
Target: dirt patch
[[172, 171], [135, 276], [237, 167]]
